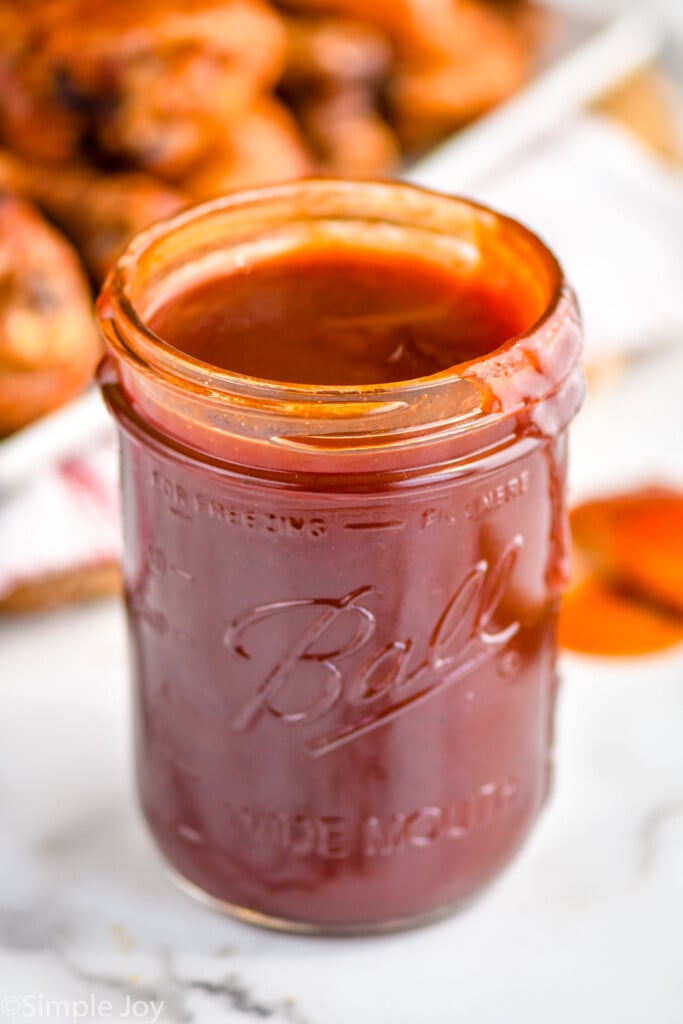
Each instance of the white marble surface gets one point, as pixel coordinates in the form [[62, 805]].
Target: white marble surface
[[585, 928]]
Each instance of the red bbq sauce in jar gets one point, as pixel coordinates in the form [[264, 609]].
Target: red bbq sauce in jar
[[343, 413]]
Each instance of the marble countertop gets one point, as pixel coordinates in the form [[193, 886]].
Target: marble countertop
[[586, 926]]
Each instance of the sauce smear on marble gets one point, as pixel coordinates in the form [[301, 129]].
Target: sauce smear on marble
[[627, 598]]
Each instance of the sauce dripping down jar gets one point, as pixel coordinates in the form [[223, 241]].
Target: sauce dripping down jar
[[342, 597]]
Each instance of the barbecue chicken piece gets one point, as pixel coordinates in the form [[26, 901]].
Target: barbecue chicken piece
[[99, 212], [336, 73], [149, 84], [261, 147], [455, 59], [49, 345]]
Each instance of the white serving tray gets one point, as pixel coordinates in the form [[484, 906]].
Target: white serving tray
[[587, 59]]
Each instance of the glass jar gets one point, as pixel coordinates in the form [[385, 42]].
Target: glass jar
[[342, 600]]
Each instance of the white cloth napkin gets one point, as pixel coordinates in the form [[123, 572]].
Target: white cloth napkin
[[613, 214], [610, 210], [66, 518]]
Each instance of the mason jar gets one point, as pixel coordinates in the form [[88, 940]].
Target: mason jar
[[342, 599]]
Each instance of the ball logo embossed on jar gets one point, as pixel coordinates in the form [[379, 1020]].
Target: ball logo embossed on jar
[[391, 680]]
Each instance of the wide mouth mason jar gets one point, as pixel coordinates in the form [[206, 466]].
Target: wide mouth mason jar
[[342, 598]]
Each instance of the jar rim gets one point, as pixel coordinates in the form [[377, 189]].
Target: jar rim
[[132, 338]]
